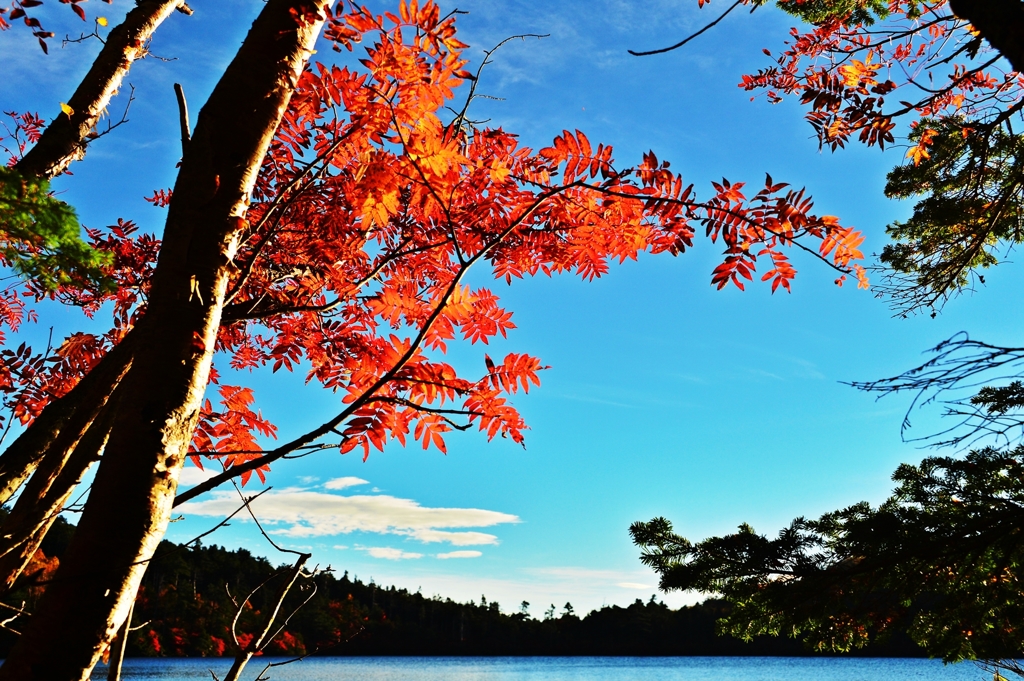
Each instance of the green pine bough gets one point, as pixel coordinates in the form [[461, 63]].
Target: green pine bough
[[40, 236], [941, 559]]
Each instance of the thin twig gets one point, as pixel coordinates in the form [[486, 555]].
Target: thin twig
[[186, 132], [266, 536], [691, 37]]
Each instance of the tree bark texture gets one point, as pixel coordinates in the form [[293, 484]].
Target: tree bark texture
[[118, 646], [1000, 22], [130, 502], [44, 497], [65, 139]]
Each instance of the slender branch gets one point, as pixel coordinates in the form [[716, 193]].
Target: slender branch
[[689, 38], [460, 118], [63, 141], [249, 310], [266, 536], [272, 210], [186, 132]]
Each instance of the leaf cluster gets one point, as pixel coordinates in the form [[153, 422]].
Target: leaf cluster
[[961, 103], [940, 559], [847, 12], [971, 180], [40, 237]]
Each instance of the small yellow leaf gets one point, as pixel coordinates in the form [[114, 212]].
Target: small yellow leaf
[[102, 21], [67, 109]]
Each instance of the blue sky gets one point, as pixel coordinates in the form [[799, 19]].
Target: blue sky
[[664, 397]]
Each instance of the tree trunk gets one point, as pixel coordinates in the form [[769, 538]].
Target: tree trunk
[[44, 497], [1000, 22], [130, 502], [65, 420], [64, 140], [116, 659]]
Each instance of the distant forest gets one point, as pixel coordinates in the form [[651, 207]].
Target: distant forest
[[184, 609]]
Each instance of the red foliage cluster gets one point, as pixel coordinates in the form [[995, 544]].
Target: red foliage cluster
[[844, 71], [19, 10], [369, 211]]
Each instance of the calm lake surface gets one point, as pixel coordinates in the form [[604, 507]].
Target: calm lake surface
[[562, 669]]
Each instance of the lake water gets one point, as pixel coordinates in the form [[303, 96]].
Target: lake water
[[562, 669]]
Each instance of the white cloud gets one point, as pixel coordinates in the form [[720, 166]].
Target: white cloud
[[340, 547], [634, 585], [342, 483], [190, 475], [459, 554], [456, 538], [308, 479], [304, 513], [389, 553]]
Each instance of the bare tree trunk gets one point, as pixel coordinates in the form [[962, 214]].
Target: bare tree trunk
[[65, 420], [130, 502], [44, 497], [117, 647], [64, 140]]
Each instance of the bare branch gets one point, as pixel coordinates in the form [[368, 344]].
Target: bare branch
[[690, 37]]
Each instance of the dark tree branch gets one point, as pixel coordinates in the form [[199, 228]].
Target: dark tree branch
[[186, 132], [690, 37]]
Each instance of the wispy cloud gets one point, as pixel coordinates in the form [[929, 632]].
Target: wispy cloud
[[303, 513], [459, 554], [456, 538], [635, 585], [342, 483], [573, 573]]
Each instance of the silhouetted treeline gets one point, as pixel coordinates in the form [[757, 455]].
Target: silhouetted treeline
[[187, 603]]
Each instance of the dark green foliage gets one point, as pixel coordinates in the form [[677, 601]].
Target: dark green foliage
[[972, 182], [189, 612], [184, 597], [40, 236], [1000, 400], [940, 560], [849, 12]]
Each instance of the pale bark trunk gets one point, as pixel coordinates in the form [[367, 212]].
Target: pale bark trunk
[[130, 501], [118, 646], [64, 140], [44, 497]]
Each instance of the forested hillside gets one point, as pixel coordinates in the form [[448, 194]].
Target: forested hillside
[[185, 608]]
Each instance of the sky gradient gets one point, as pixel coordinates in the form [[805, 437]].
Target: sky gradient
[[664, 396]]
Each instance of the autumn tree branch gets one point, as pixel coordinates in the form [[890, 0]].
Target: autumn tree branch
[[65, 139], [387, 377]]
